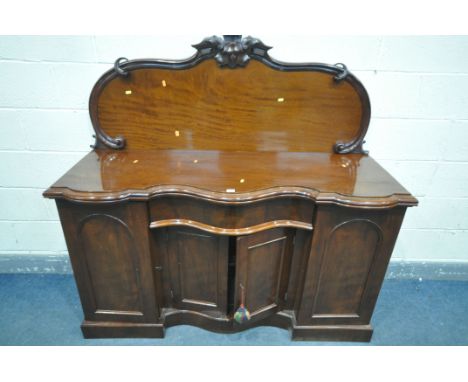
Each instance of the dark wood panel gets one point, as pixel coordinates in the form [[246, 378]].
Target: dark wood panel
[[349, 255], [301, 249], [231, 216], [348, 333], [160, 267], [198, 270], [350, 250], [98, 329], [263, 263], [109, 250]]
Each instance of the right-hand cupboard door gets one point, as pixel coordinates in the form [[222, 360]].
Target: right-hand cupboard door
[[349, 256], [262, 270]]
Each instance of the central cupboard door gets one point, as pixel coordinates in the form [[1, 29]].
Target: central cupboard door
[[202, 277], [198, 270], [262, 268]]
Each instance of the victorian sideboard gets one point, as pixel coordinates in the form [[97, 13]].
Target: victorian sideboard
[[224, 180]]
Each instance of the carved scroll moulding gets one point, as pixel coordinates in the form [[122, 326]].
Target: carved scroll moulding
[[232, 51]]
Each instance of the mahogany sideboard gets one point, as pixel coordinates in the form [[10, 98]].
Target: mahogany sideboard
[[227, 176]]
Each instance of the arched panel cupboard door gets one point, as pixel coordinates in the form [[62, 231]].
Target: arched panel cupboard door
[[109, 252], [349, 255]]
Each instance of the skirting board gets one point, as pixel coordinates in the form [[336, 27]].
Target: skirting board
[[59, 264], [425, 270]]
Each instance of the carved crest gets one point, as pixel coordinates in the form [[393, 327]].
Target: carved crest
[[232, 51]]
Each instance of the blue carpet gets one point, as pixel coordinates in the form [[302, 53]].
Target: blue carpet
[[38, 309]]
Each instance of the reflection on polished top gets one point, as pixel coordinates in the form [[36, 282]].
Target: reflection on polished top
[[231, 176]]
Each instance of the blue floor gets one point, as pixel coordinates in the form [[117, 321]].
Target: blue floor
[[45, 310]]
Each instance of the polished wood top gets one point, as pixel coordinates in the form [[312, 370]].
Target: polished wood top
[[231, 177]]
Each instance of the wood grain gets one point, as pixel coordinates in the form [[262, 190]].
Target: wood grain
[[349, 254], [255, 108], [110, 255], [198, 265], [353, 180], [262, 267], [232, 217]]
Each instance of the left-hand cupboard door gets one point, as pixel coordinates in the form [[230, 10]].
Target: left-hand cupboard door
[[109, 250], [196, 271]]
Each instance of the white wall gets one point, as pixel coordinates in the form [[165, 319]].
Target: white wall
[[419, 130]]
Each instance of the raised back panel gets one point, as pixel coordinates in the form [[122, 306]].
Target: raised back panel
[[250, 103]]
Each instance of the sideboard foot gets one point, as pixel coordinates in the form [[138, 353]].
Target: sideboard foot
[[93, 329], [354, 333]]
